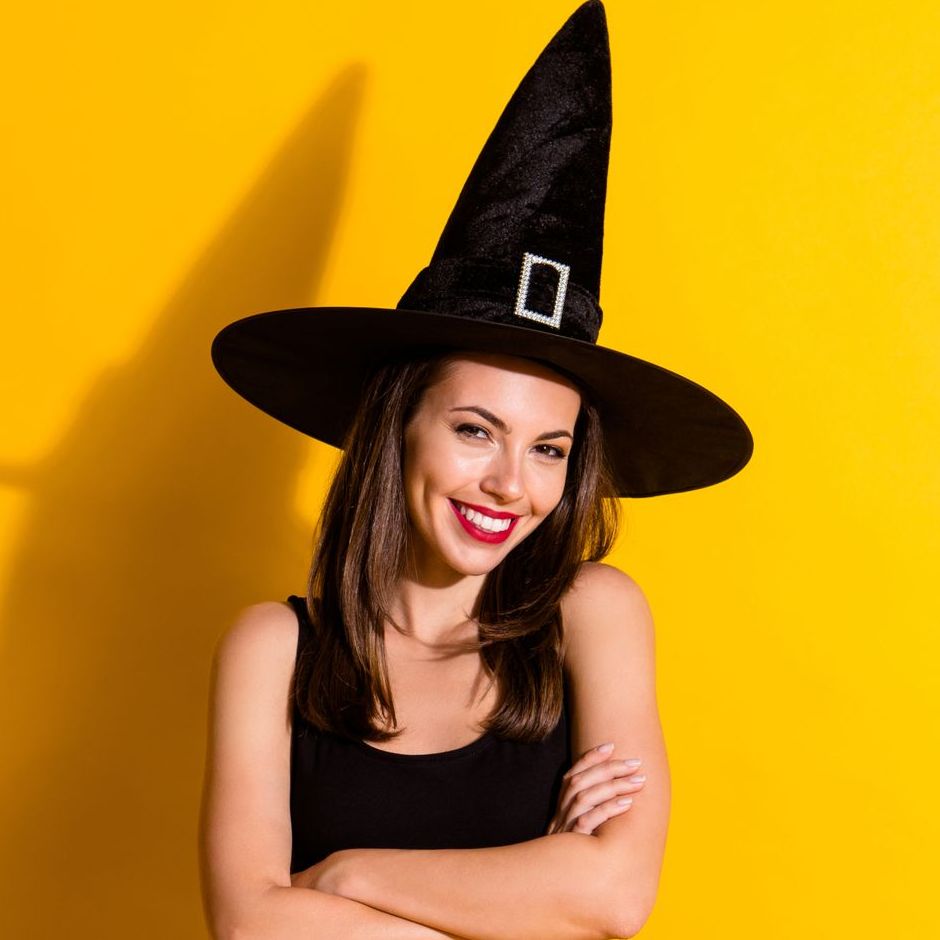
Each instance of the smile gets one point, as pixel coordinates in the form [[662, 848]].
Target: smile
[[484, 525]]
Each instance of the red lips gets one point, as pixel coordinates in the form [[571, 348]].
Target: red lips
[[481, 535]]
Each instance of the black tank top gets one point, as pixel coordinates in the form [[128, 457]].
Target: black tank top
[[349, 794]]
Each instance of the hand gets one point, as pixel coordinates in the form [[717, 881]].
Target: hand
[[590, 791]]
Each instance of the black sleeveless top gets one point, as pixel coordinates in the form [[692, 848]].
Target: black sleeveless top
[[349, 794]]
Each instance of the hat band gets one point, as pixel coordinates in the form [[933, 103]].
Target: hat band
[[478, 290]]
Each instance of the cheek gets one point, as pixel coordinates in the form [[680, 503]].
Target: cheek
[[550, 492], [441, 469], [423, 474]]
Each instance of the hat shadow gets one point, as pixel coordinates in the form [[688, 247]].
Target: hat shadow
[[166, 506]]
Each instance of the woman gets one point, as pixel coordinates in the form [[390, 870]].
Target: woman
[[417, 748]]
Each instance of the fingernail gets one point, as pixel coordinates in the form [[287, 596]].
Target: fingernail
[[638, 778], [633, 762], [606, 747], [625, 801]]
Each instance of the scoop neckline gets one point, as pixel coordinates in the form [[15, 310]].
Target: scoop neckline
[[455, 753]]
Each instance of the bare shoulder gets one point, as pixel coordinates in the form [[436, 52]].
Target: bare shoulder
[[245, 826], [602, 598], [611, 666], [256, 653], [597, 587], [267, 629]]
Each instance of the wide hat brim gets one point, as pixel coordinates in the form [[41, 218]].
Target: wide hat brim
[[306, 367]]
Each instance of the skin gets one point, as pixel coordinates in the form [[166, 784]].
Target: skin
[[492, 431], [505, 466], [495, 432]]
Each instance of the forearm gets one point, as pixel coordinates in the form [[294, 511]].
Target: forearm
[[555, 886], [295, 913]]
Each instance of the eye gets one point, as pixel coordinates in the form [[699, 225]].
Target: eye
[[550, 451], [472, 432]]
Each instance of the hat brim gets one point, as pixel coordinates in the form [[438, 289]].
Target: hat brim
[[306, 367]]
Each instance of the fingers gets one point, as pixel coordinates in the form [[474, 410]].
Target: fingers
[[588, 759], [604, 793], [593, 768], [586, 768], [587, 822], [594, 789]]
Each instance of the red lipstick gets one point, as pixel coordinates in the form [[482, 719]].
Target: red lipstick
[[492, 513], [482, 535]]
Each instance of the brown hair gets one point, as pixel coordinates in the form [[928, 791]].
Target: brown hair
[[341, 682]]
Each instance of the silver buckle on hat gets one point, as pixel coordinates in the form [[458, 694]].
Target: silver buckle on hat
[[528, 259]]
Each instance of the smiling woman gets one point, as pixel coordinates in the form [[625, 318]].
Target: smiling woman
[[438, 728], [498, 478], [412, 460]]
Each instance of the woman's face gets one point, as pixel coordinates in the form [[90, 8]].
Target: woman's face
[[485, 459]]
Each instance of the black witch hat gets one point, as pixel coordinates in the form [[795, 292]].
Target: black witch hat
[[517, 270]]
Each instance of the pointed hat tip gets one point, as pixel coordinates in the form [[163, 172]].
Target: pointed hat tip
[[587, 27], [592, 10]]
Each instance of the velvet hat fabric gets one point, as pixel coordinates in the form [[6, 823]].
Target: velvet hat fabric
[[517, 270]]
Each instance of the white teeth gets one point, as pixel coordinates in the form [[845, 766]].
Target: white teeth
[[487, 523]]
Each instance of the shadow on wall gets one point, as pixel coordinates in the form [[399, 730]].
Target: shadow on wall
[[166, 507]]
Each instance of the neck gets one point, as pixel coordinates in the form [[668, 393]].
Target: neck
[[438, 611]]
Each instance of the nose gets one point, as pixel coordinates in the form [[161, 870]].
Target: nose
[[503, 479]]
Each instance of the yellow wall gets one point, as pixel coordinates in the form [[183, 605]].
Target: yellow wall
[[772, 233]]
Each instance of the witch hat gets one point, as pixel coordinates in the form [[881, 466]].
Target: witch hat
[[516, 270]]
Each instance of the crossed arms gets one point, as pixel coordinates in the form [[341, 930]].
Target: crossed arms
[[566, 885]]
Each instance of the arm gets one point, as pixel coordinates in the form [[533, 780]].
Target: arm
[[565, 885], [245, 826], [550, 887]]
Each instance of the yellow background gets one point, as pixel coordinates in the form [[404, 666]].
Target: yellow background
[[773, 232]]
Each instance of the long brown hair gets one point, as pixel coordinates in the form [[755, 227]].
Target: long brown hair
[[341, 682]]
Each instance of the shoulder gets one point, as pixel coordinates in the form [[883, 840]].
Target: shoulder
[[265, 626], [260, 640], [604, 598], [598, 586], [246, 829]]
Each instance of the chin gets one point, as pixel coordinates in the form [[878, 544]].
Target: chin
[[470, 567], [480, 569], [470, 561]]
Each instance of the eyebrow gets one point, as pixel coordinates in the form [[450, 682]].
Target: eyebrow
[[501, 425]]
